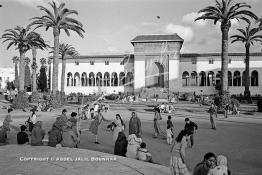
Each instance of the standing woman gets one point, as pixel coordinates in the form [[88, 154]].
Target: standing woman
[[212, 112], [95, 124], [32, 120], [178, 154], [157, 117], [119, 126]]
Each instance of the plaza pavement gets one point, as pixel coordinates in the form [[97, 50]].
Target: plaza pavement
[[236, 137]]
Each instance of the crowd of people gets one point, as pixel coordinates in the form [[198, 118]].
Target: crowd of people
[[65, 132]]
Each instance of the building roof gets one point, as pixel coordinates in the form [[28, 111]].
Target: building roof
[[156, 38], [218, 54]]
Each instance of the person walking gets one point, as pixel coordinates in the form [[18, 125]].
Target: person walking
[[135, 125], [212, 112], [119, 126], [178, 154], [98, 118], [191, 128], [158, 130]]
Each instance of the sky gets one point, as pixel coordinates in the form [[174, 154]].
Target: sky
[[110, 25]]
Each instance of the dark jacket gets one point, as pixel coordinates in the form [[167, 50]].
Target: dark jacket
[[121, 145], [22, 138], [135, 126], [38, 135], [201, 169], [190, 127]]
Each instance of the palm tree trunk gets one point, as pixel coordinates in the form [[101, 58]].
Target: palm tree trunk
[[247, 79], [16, 77], [34, 69], [63, 75], [22, 71], [55, 61], [224, 59]]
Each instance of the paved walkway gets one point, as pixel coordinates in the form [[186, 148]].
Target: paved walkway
[[42, 160]]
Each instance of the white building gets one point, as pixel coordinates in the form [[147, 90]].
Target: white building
[[157, 63], [7, 74]]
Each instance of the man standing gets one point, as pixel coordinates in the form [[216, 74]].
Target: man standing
[[135, 125], [190, 127]]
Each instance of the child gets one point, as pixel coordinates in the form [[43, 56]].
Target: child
[[221, 168], [143, 153], [22, 136], [169, 135], [170, 126]]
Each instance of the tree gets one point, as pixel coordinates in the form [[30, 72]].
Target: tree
[[224, 12], [58, 20], [27, 74], [16, 81], [42, 80], [49, 72], [23, 39], [248, 36], [64, 51]]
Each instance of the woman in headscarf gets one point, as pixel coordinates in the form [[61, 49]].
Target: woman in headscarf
[[158, 130], [135, 125], [133, 146], [95, 124], [69, 137], [118, 127], [38, 134], [178, 153], [120, 145], [55, 135]]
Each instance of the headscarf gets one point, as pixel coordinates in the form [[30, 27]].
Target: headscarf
[[132, 139], [221, 160]]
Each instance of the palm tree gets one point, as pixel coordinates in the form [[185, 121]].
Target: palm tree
[[225, 11], [23, 39], [15, 61], [49, 72], [58, 20], [65, 50], [27, 73], [249, 35]]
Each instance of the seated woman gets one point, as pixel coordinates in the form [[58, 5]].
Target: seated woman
[[38, 134], [121, 145], [69, 138], [133, 146]]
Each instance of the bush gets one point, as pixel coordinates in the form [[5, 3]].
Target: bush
[[21, 101], [34, 97], [222, 100], [187, 96], [111, 97], [259, 105]]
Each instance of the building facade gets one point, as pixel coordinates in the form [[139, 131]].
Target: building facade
[[157, 63]]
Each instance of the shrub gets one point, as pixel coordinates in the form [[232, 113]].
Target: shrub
[[259, 105], [187, 96], [21, 101], [34, 97], [111, 97]]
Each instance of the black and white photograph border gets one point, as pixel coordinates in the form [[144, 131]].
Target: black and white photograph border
[[130, 87]]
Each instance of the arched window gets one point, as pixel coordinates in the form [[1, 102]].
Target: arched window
[[114, 79], [77, 79], [229, 74], [121, 78], [210, 78], [69, 81], [202, 75], [218, 77], [193, 81], [91, 79], [237, 79], [254, 78], [99, 79], [84, 79], [185, 78], [106, 79], [129, 79]]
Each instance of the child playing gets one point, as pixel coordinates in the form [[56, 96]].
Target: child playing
[[143, 153], [221, 168], [22, 136]]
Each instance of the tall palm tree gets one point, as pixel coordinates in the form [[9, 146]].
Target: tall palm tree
[[58, 20], [15, 61], [23, 39], [64, 51], [248, 36], [49, 72], [224, 12]]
